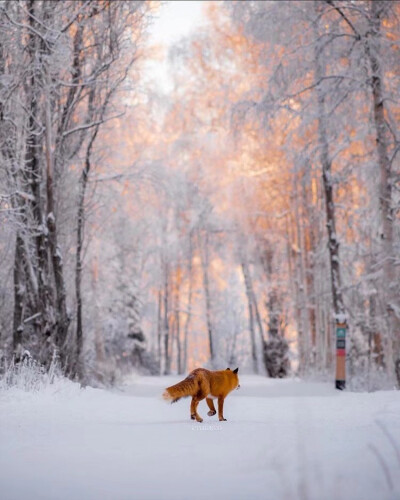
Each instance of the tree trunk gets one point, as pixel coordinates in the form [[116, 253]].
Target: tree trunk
[[232, 356], [78, 269], [62, 317], [34, 176], [159, 330], [333, 243], [326, 165], [309, 257], [304, 332], [249, 294], [257, 314], [177, 307], [19, 297], [205, 267], [79, 244], [189, 305], [167, 354], [389, 282]]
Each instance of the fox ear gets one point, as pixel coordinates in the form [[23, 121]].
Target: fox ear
[[235, 370], [229, 369]]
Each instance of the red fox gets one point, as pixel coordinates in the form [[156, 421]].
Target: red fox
[[202, 383]]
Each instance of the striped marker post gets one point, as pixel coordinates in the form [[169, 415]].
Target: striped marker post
[[340, 382]]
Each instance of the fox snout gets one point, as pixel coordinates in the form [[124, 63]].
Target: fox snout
[[238, 387]]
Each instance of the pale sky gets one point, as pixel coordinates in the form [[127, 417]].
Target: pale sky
[[174, 20]]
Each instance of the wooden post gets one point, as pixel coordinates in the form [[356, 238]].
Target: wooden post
[[340, 382]]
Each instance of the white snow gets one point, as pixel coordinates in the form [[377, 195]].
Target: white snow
[[284, 439]]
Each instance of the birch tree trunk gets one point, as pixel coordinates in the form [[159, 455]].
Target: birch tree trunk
[[166, 329], [326, 166], [205, 263], [304, 331], [159, 330], [83, 180], [189, 304], [309, 260], [177, 321], [389, 283], [327, 181], [249, 295]]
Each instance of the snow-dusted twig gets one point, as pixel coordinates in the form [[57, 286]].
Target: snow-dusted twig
[[91, 125]]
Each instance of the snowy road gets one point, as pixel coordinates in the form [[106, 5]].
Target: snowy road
[[283, 440]]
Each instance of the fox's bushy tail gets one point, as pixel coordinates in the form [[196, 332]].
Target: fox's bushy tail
[[183, 389]]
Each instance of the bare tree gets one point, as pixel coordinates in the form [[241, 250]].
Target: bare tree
[[61, 92]]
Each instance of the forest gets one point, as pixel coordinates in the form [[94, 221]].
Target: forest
[[228, 198]]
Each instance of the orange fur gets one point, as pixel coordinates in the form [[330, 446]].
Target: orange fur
[[202, 383]]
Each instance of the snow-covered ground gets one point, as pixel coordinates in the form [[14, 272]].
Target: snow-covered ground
[[284, 439]]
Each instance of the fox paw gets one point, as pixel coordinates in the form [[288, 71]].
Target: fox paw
[[222, 419], [211, 413]]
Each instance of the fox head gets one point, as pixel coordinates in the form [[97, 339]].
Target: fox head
[[233, 375]]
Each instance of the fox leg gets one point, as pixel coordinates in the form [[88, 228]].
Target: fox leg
[[210, 403], [221, 408], [193, 409]]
